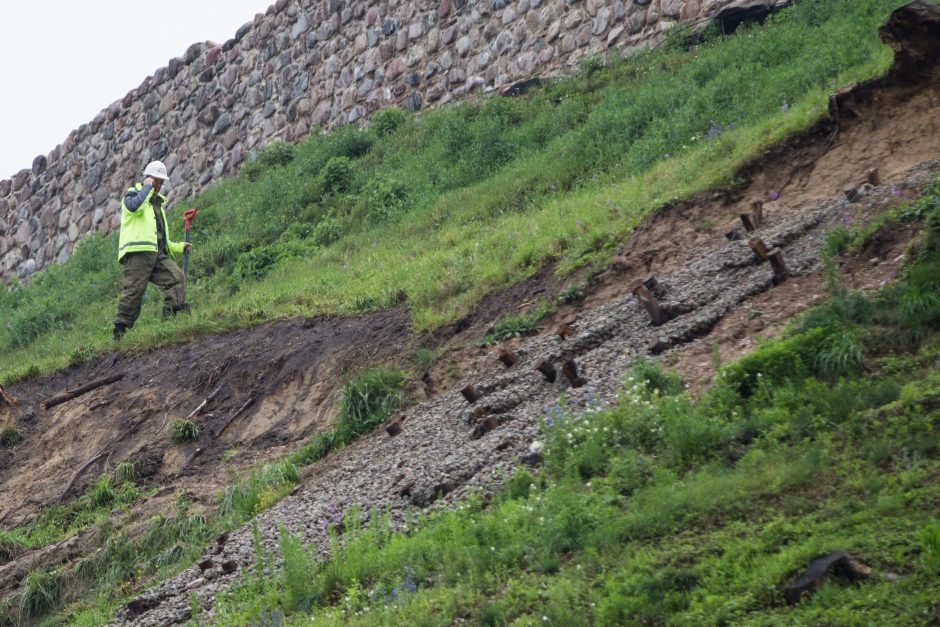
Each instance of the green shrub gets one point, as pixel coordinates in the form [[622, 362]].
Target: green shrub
[[328, 230], [387, 121], [184, 430], [337, 175], [384, 198], [656, 379], [840, 354], [276, 154]]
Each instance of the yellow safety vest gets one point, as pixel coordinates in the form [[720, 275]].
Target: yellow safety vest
[[139, 228]]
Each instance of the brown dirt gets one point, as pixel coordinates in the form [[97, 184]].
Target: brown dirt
[[295, 368]]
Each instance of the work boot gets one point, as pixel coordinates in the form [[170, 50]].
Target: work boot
[[178, 309], [119, 330]]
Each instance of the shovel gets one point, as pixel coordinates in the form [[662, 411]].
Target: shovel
[[188, 216]]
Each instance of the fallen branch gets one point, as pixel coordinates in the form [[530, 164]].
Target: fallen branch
[[78, 473], [206, 401], [218, 432], [166, 416], [58, 399], [8, 398]]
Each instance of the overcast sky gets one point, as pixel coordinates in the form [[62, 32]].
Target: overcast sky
[[63, 62]]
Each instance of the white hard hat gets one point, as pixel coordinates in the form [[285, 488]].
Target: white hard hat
[[157, 170]]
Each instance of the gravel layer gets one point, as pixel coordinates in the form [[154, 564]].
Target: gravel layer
[[438, 458]]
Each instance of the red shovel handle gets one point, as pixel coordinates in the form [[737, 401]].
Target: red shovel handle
[[189, 216]]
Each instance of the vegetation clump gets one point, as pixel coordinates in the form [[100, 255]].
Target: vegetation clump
[[10, 435], [184, 430]]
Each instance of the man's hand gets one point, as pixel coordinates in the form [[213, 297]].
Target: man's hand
[[187, 246], [149, 181]]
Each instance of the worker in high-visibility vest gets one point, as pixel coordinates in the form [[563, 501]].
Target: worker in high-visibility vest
[[145, 251]]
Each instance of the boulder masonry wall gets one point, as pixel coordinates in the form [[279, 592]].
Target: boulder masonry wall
[[304, 64]]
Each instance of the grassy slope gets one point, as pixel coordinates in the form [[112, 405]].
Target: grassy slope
[[670, 510], [440, 210]]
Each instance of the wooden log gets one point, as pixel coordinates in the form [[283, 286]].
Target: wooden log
[[781, 272], [471, 394], [547, 370], [508, 358], [874, 177], [570, 370], [759, 247], [68, 395], [78, 473], [657, 316]]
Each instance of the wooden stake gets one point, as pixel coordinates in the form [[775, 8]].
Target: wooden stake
[[757, 213], [748, 222], [471, 394], [547, 370], [570, 369], [58, 399], [657, 317], [781, 272], [508, 358], [759, 247], [874, 177]]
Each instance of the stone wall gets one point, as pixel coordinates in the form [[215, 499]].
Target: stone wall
[[299, 65]]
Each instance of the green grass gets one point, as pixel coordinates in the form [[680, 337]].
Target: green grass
[[184, 430], [437, 211], [669, 509]]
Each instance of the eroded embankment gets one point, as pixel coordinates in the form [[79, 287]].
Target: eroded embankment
[[293, 369]]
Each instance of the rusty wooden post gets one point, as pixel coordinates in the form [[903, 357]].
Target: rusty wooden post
[[508, 358], [781, 272], [486, 425], [547, 370], [570, 369], [471, 394], [657, 317], [757, 213], [393, 428], [748, 222], [759, 247]]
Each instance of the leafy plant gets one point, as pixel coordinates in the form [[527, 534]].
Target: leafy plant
[[184, 430], [518, 325]]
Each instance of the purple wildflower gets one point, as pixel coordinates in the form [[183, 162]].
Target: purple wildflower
[[773, 195], [847, 218], [895, 191], [785, 107]]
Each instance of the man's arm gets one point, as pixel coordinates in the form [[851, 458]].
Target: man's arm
[[134, 199]]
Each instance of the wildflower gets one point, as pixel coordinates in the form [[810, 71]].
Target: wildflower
[[895, 191], [785, 107], [774, 195], [847, 218]]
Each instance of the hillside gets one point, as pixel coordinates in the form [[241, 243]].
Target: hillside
[[368, 274]]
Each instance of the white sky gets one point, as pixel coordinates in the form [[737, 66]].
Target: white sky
[[61, 62]]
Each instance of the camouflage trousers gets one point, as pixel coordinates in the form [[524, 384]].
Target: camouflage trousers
[[143, 268]]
